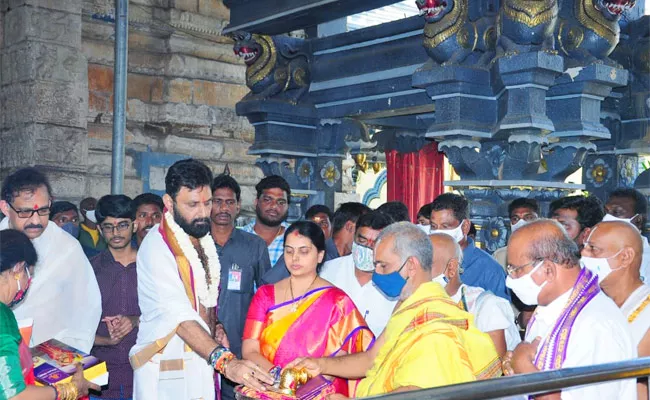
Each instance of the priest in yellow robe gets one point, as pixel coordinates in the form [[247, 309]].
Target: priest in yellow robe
[[428, 342]]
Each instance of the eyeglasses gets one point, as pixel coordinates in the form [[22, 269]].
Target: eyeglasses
[[28, 213], [512, 269], [121, 227]]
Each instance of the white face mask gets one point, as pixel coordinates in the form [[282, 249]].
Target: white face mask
[[442, 280], [610, 217], [425, 228], [91, 216], [456, 233], [518, 225], [363, 258], [599, 266], [525, 287]]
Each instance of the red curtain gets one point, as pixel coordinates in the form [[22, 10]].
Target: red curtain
[[416, 178]]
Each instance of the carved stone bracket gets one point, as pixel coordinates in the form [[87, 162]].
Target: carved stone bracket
[[523, 156], [565, 158]]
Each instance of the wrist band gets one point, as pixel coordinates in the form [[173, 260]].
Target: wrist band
[[219, 358]]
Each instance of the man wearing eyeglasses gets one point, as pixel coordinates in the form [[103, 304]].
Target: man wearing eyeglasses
[[575, 324], [115, 270], [353, 273], [272, 210], [64, 299], [244, 260]]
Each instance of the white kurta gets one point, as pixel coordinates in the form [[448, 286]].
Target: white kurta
[[164, 305], [371, 303], [491, 313], [600, 334], [641, 322], [63, 299]]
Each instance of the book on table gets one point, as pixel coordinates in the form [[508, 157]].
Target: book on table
[[55, 361]]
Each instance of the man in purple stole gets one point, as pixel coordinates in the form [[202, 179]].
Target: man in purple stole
[[575, 324]]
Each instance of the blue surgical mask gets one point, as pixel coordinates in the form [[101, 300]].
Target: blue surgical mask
[[71, 228], [390, 284]]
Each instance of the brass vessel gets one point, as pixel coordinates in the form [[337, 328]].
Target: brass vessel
[[291, 379]]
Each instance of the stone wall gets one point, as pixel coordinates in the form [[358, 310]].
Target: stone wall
[[183, 83]]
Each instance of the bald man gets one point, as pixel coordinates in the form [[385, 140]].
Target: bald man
[[614, 251], [492, 314], [575, 324]]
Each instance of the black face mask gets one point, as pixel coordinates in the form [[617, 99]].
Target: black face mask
[[20, 295]]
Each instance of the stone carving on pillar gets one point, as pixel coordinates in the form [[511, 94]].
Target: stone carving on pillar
[[449, 35], [277, 165], [523, 156], [588, 30], [467, 159], [526, 25], [277, 67], [494, 233]]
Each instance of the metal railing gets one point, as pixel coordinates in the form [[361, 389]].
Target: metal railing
[[536, 383]]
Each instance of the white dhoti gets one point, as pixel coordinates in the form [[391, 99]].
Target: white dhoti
[[175, 372]]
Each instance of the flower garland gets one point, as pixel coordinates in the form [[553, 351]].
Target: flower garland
[[207, 292]]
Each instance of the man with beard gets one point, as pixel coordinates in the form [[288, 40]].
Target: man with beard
[[148, 209], [244, 260], [179, 274], [116, 275], [63, 299], [272, 209]]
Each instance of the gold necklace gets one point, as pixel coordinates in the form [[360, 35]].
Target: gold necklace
[[297, 303]]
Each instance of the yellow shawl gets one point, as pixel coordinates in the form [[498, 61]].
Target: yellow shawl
[[430, 342]]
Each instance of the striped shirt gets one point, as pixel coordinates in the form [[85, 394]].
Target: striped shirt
[[276, 248]]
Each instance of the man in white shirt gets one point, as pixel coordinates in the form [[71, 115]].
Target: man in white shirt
[[492, 314], [613, 251], [630, 205], [353, 273], [575, 324], [64, 300]]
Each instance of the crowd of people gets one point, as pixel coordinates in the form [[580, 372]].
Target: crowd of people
[[182, 304]]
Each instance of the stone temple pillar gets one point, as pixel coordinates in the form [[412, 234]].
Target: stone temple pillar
[[43, 91]]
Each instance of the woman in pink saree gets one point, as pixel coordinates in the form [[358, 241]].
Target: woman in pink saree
[[303, 315]]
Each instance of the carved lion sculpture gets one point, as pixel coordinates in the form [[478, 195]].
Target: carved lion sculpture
[[588, 30], [526, 25], [276, 67], [451, 38]]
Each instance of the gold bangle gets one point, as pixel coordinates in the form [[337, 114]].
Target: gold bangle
[[67, 391]]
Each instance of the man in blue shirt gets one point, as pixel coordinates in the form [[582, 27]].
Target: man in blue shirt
[[450, 215]]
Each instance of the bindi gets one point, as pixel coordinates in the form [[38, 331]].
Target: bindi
[[35, 206]]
